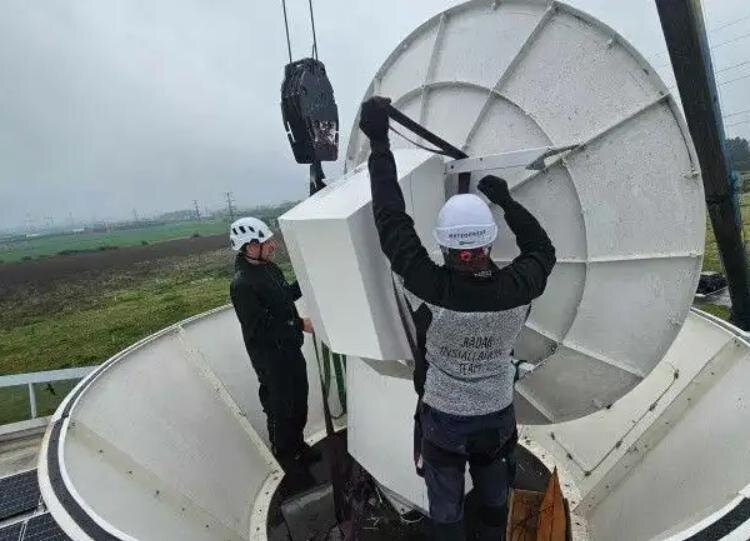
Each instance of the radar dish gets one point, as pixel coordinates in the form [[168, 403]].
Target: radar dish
[[624, 207]]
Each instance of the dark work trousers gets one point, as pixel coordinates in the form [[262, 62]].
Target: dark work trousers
[[486, 442], [282, 374]]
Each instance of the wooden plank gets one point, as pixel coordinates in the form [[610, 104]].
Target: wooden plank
[[552, 516], [523, 515]]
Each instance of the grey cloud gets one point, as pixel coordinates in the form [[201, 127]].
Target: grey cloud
[[110, 106]]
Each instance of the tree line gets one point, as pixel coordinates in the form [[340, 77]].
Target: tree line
[[739, 153]]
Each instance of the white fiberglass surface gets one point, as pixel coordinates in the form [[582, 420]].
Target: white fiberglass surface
[[170, 440], [624, 208]]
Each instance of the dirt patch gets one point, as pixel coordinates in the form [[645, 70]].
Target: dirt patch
[[43, 273]]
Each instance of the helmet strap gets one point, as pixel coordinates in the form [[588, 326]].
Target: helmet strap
[[249, 258]]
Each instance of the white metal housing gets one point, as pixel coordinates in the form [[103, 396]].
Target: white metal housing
[[336, 254]]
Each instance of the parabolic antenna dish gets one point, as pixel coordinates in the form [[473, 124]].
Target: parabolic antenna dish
[[624, 207]]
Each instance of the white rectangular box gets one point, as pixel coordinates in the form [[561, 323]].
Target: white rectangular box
[[335, 250]]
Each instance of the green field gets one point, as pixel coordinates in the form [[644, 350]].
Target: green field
[[54, 244], [711, 261], [83, 322], [75, 325]]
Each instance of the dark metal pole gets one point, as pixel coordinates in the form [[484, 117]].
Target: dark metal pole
[[685, 33]]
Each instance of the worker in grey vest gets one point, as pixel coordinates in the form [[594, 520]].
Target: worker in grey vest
[[467, 314]]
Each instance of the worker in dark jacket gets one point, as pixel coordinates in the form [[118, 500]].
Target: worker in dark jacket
[[467, 315], [272, 330]]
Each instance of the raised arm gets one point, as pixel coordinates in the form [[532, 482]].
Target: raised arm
[[398, 239], [526, 277]]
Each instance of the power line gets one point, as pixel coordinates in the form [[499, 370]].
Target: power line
[[714, 47], [746, 62], [732, 23], [734, 66], [720, 83], [737, 124], [734, 80], [710, 44], [737, 113], [738, 38]]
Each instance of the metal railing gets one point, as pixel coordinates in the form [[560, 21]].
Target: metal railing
[[32, 378]]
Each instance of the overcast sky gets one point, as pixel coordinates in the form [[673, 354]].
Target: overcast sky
[[110, 106]]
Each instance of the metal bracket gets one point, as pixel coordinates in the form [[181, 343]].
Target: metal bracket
[[531, 159]]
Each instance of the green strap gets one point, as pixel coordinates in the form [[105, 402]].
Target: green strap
[[324, 372], [338, 368]]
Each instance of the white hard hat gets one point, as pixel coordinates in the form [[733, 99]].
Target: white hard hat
[[247, 230], [465, 222]]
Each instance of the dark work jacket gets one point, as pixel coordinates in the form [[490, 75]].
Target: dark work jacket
[[501, 289], [264, 304]]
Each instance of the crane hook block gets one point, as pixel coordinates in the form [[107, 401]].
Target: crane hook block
[[309, 110]]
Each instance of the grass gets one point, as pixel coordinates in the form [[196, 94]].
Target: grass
[[711, 259], [85, 322], [14, 401], [73, 327], [719, 311], [24, 250]]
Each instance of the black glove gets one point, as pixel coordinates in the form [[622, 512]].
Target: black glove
[[373, 120], [496, 190]]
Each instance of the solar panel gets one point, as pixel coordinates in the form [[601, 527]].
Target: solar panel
[[11, 533], [18, 494], [44, 528]]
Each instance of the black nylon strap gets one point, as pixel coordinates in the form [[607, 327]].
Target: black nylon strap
[[442, 458]]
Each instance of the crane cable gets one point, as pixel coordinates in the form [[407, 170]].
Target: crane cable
[[315, 39], [286, 26], [286, 29]]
